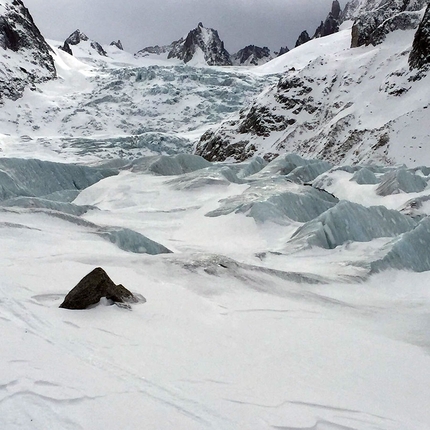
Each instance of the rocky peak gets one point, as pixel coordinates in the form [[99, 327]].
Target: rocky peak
[[77, 38], [336, 10], [303, 38], [420, 54], [31, 61], [331, 23], [118, 44], [282, 51], [205, 40], [252, 55]]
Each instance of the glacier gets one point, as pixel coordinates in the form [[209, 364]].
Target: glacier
[[282, 291]]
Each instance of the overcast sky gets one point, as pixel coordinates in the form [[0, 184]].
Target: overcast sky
[[137, 23]]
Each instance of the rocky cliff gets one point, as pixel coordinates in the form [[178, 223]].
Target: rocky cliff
[[252, 55], [25, 57]]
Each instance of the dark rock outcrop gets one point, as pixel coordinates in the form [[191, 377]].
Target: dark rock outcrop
[[34, 64], [303, 38], [331, 23], [252, 55], [77, 37], [374, 20], [420, 54], [66, 48], [205, 39], [92, 288], [118, 44], [282, 51]]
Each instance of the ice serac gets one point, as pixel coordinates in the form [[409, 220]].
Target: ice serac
[[401, 180], [420, 54], [252, 55], [203, 42], [26, 57], [348, 222], [365, 176], [81, 39], [131, 241], [36, 178], [177, 165], [408, 252], [277, 200]]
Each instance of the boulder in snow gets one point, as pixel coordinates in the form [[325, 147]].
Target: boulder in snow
[[95, 286]]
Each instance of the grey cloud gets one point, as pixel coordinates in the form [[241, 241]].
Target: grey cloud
[[273, 23]]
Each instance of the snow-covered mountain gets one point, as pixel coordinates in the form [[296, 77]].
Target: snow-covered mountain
[[25, 57], [201, 46], [252, 55], [77, 38], [334, 102]]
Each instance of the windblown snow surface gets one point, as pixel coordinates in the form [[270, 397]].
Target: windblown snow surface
[[295, 295]]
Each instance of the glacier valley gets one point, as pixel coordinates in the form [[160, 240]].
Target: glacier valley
[[286, 286]]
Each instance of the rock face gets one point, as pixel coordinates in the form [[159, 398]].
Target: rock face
[[420, 54], [303, 38], [295, 116], [66, 48], [282, 51], [118, 44], [29, 57], [252, 55], [79, 38], [375, 19], [204, 42], [157, 50], [331, 23], [92, 288]]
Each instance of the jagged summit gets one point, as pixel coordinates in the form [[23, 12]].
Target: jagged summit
[[81, 39], [329, 26], [252, 55], [331, 23], [27, 58], [201, 44], [118, 44], [303, 38]]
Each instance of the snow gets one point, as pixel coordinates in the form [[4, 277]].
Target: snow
[[249, 321], [227, 338]]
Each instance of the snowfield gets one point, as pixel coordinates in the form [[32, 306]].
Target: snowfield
[[290, 295], [241, 329]]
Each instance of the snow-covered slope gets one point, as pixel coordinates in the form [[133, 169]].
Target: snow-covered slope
[[25, 57], [248, 324], [337, 103]]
